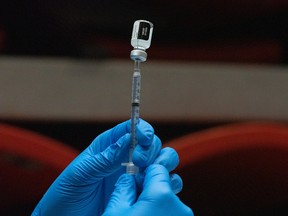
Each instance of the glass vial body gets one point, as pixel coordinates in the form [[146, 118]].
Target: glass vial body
[[142, 34]]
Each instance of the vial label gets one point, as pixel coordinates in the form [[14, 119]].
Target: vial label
[[144, 31]]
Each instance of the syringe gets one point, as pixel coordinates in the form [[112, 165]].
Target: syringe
[[141, 40]]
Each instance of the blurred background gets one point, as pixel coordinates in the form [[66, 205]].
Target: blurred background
[[65, 71], [240, 31]]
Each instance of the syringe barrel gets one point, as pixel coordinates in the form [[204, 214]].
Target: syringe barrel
[[135, 106]]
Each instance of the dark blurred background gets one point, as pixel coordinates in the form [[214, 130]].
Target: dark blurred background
[[237, 31]]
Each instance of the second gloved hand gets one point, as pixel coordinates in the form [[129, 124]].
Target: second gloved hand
[[156, 198]]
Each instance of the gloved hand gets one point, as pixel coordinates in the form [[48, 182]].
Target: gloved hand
[[85, 186], [157, 197]]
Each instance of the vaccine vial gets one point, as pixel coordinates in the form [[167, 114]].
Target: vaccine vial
[[141, 39], [142, 34]]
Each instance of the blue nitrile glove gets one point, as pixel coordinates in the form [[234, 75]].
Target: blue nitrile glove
[[85, 186], [157, 197]]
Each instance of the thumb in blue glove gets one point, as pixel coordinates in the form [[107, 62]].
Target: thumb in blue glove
[[157, 197]]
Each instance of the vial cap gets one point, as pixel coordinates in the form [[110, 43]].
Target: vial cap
[[138, 55]]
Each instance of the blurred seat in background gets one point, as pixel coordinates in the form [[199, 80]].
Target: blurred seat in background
[[29, 163], [238, 169]]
